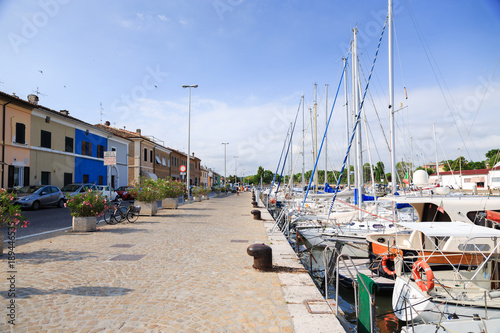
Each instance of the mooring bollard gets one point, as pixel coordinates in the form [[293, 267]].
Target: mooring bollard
[[262, 256], [254, 203], [256, 214]]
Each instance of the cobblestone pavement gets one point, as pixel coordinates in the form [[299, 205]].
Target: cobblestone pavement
[[184, 270]]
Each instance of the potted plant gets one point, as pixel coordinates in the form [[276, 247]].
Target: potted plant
[[146, 192], [197, 192], [85, 207], [170, 191], [205, 193], [217, 190], [10, 216]]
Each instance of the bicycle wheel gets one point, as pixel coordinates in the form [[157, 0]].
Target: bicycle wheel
[[132, 216], [119, 215], [108, 216]]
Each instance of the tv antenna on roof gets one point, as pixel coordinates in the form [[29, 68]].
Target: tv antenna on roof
[[101, 112], [38, 93]]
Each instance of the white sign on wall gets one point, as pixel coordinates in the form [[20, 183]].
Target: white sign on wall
[[110, 158]]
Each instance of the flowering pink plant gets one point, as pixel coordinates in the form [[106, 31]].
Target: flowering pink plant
[[87, 204], [10, 214]]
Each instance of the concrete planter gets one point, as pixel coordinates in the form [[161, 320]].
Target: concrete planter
[[197, 199], [147, 208], [205, 197], [170, 203], [82, 224]]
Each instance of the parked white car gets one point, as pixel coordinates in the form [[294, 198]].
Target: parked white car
[[107, 191]]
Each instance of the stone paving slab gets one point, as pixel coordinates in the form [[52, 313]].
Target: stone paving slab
[[183, 270]]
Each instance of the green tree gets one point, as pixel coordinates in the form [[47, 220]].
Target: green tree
[[379, 171], [260, 172], [267, 177], [493, 157]]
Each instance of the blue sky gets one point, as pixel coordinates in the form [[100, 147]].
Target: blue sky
[[253, 60]]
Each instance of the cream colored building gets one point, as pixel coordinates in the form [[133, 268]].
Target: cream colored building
[[16, 127]]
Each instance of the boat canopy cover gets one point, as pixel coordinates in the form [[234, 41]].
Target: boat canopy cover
[[451, 229], [493, 216]]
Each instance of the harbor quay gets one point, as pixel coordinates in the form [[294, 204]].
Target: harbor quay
[[183, 270]]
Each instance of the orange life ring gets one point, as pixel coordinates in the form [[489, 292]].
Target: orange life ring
[[287, 196], [384, 264], [418, 279], [272, 201]]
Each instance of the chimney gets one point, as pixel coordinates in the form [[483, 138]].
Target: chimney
[[64, 112], [138, 131], [33, 99], [107, 123], [193, 154]]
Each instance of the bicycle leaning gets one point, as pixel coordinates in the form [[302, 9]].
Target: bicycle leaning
[[117, 213]]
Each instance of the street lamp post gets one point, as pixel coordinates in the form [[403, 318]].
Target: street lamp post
[[225, 145], [189, 139]]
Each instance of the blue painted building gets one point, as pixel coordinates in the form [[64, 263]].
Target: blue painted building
[[89, 154]]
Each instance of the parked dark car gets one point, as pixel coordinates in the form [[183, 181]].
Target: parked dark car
[[37, 196], [123, 192]]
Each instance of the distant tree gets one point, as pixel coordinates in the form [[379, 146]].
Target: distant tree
[[379, 171], [430, 171], [267, 177], [459, 164], [260, 172], [493, 157], [475, 165]]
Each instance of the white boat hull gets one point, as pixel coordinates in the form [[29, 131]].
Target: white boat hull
[[410, 304]]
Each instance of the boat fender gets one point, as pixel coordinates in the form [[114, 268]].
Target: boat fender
[[424, 286], [384, 265], [494, 294]]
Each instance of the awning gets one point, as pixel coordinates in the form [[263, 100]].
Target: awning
[[477, 179], [18, 164], [148, 174]]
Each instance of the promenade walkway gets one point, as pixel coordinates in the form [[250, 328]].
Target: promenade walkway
[[184, 270]]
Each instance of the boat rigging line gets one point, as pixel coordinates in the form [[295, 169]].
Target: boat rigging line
[[358, 116], [324, 135], [289, 144]]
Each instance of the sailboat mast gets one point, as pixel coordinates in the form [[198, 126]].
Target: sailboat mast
[[347, 122], [436, 150], [291, 160], [326, 134], [315, 137], [356, 102], [303, 139], [394, 177]]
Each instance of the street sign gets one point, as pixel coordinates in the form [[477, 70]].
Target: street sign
[[110, 158], [182, 168]]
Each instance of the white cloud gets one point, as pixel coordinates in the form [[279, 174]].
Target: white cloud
[[162, 17]]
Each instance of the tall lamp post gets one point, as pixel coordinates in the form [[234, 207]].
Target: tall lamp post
[[225, 145], [189, 139]]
